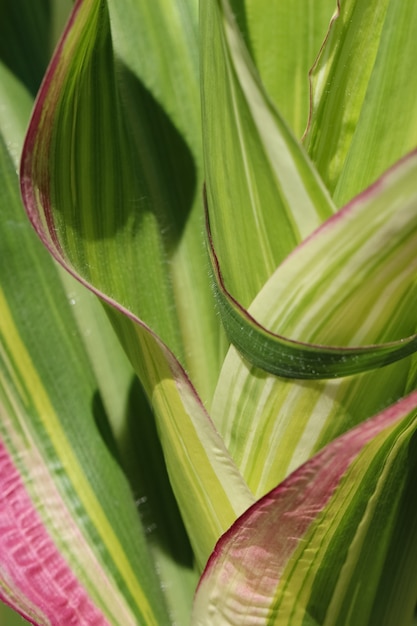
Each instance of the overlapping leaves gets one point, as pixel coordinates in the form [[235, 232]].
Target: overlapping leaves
[[112, 176], [319, 549], [285, 422], [123, 248], [58, 500], [274, 217]]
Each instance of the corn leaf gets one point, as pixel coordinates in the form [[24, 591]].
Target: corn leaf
[[236, 242], [264, 195], [72, 545], [314, 300], [97, 196], [334, 544], [157, 70], [130, 420], [272, 32], [299, 418], [362, 96], [116, 395], [259, 414], [111, 177]]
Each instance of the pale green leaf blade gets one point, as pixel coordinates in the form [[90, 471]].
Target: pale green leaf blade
[[364, 261], [264, 195], [209, 488], [21, 275], [363, 95], [333, 545], [58, 497], [138, 447], [118, 393], [350, 284], [101, 226], [156, 46], [273, 31]]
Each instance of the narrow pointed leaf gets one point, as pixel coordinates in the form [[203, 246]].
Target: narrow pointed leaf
[[359, 266], [101, 226], [117, 396], [157, 67], [325, 546], [362, 96], [272, 32], [72, 546], [264, 195], [258, 411]]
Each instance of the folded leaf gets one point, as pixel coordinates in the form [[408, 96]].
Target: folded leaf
[[350, 283], [369, 298], [334, 544], [264, 195], [108, 228], [157, 74], [72, 544]]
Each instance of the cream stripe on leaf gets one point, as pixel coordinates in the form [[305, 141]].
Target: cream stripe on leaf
[[232, 74], [264, 195], [371, 243], [96, 203], [284, 422], [82, 496], [325, 545], [359, 266], [362, 96], [272, 30], [43, 358], [48, 434], [117, 390], [157, 74]]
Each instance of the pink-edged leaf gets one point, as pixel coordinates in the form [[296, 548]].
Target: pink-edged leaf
[[97, 227], [318, 548], [337, 305], [35, 576]]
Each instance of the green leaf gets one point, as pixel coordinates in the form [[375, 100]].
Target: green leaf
[[134, 445], [360, 267], [349, 284], [117, 228], [332, 544], [363, 100], [157, 70], [25, 41], [264, 195], [284, 39], [10, 617], [134, 438], [66, 515]]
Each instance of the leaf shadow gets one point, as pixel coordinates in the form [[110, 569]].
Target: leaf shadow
[[139, 454], [163, 168]]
